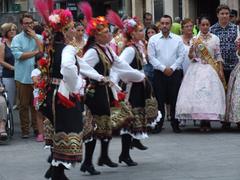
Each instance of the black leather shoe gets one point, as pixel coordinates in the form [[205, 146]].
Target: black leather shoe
[[57, 173], [127, 160], [64, 177], [176, 128], [238, 125], [226, 126], [158, 128], [90, 169], [48, 173], [137, 144], [107, 161]]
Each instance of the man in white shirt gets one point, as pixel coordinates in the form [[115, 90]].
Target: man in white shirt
[[166, 51]]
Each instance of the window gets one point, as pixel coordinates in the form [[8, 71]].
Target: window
[[158, 9]]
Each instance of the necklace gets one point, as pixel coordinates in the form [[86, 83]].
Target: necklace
[[186, 40], [205, 37]]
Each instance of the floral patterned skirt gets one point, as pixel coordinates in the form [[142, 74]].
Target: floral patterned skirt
[[233, 96], [201, 95]]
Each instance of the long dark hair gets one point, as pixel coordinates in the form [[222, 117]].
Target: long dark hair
[[154, 27], [202, 17]]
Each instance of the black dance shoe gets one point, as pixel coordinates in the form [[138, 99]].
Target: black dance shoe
[[90, 169], [127, 160], [137, 144], [57, 173], [64, 177], [48, 173], [158, 128], [107, 161]]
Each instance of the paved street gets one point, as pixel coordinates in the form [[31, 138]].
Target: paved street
[[190, 155]]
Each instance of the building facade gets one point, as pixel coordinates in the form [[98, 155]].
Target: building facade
[[188, 8], [183, 8], [174, 8]]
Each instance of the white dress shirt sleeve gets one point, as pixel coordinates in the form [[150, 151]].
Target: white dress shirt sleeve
[[91, 57], [180, 56], [127, 55], [72, 80], [87, 62], [114, 77], [125, 72], [152, 55]]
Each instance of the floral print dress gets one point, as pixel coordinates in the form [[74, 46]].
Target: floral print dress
[[233, 96], [201, 95]]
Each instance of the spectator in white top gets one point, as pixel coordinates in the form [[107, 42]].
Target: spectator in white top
[[166, 51]]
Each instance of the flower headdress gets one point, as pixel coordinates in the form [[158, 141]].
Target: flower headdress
[[95, 25], [58, 19], [131, 25], [61, 19], [128, 25]]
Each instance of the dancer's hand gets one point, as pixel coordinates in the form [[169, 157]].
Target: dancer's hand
[[105, 80]]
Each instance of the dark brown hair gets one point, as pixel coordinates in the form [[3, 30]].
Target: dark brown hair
[[154, 27], [146, 14], [166, 16], [203, 17], [221, 7], [185, 21], [25, 15]]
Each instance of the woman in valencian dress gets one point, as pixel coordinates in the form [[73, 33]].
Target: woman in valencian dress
[[202, 95], [233, 94]]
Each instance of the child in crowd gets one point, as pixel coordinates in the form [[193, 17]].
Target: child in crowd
[[39, 82]]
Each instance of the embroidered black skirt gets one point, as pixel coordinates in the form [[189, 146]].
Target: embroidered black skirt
[[63, 128], [98, 103]]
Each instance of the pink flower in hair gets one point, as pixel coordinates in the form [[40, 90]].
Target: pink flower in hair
[[60, 19], [129, 25], [54, 18]]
